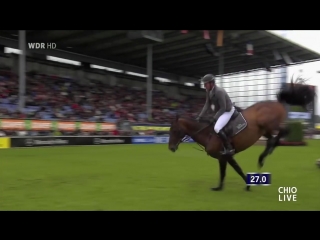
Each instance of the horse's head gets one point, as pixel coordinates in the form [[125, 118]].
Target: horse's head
[[176, 134]]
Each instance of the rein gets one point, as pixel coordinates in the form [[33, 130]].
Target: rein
[[186, 138]]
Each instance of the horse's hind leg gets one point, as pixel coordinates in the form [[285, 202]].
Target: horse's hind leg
[[283, 131], [267, 150], [272, 143], [223, 167], [238, 169]]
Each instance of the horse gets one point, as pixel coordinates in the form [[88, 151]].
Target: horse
[[244, 128]]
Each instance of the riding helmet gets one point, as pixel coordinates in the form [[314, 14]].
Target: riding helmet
[[208, 78]]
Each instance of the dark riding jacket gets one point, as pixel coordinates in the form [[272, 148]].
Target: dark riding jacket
[[221, 101]]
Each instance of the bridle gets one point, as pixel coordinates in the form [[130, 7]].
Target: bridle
[[186, 138]]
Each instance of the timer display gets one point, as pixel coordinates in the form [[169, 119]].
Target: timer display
[[254, 179]]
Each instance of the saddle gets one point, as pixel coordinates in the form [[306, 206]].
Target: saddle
[[236, 124], [234, 115]]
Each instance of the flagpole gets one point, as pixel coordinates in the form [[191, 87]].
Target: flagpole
[[221, 55]]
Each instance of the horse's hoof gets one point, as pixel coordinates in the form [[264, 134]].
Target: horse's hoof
[[247, 188], [216, 189], [260, 165]]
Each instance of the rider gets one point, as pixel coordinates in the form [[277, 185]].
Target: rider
[[220, 99]]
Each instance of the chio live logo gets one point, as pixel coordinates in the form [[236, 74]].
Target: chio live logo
[[287, 194]]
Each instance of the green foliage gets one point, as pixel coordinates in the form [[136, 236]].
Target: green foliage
[[296, 109], [296, 131]]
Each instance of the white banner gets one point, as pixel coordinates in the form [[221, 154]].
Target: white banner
[[299, 115], [166, 140]]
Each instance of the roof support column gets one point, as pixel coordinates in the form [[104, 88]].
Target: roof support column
[[22, 69], [149, 81], [221, 64], [284, 75]]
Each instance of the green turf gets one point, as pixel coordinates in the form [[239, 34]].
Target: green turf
[[149, 177]]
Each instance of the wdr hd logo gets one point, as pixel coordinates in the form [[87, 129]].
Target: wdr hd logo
[[42, 45], [287, 194]]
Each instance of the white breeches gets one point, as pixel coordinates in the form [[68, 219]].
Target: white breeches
[[223, 120]]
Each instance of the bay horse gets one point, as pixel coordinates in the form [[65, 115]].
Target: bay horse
[[244, 128]]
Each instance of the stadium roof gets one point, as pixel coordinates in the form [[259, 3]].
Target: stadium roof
[[179, 54]]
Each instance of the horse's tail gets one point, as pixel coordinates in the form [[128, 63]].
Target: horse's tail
[[298, 93]]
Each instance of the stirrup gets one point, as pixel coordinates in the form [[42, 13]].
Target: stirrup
[[227, 151]]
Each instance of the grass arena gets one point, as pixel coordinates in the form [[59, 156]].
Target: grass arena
[[150, 177]]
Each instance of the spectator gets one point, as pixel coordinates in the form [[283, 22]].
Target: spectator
[[59, 98]]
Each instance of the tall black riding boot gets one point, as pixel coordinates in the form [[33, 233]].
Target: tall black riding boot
[[228, 149]]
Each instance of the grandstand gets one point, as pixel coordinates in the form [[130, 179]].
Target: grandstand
[[56, 92]]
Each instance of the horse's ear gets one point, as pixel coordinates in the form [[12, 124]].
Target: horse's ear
[[177, 117]]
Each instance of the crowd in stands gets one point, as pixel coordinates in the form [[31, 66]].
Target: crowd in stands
[[58, 98]]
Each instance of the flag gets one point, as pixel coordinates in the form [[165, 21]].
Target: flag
[[220, 38], [206, 34], [249, 49]]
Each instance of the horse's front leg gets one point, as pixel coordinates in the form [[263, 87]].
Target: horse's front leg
[[222, 167], [238, 169]]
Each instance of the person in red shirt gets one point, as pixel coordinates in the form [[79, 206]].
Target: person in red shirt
[[115, 132]]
